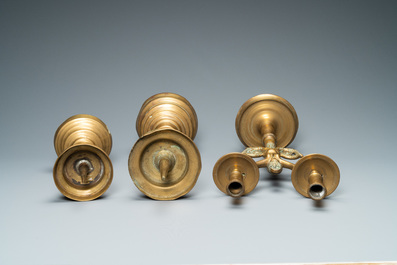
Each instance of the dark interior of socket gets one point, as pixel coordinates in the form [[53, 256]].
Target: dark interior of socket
[[235, 187], [316, 188], [317, 192]]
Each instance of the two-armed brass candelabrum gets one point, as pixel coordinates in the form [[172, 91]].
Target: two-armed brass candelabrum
[[83, 170], [165, 163], [267, 124]]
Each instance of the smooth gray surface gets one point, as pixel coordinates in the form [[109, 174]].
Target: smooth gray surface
[[335, 61]]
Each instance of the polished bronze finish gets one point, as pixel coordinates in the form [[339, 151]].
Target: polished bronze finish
[[267, 124], [165, 163], [83, 170], [236, 174]]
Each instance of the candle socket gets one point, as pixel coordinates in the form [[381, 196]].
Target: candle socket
[[236, 174], [316, 189], [236, 186], [315, 176]]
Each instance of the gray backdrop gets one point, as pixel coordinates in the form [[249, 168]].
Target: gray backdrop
[[334, 61]]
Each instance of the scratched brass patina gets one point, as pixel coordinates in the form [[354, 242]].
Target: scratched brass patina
[[83, 170], [164, 163], [267, 124]]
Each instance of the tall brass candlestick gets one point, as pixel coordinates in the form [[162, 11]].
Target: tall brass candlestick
[[165, 163], [83, 170]]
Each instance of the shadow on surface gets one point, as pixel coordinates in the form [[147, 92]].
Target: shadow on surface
[[319, 205], [276, 181], [47, 170], [237, 203], [60, 198], [143, 197]]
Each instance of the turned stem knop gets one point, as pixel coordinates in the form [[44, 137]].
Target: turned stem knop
[[268, 134]]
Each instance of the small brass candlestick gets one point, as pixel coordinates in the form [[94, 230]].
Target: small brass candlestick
[[267, 124], [165, 163], [83, 170]]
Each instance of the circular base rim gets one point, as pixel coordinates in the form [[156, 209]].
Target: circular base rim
[[258, 141], [140, 180], [63, 185]]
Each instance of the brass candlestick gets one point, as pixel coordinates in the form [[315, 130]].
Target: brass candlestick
[[165, 163], [83, 170], [267, 124]]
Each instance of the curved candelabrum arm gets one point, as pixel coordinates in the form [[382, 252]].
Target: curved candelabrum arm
[[274, 164], [263, 162], [255, 151], [287, 164], [273, 157], [289, 153]]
